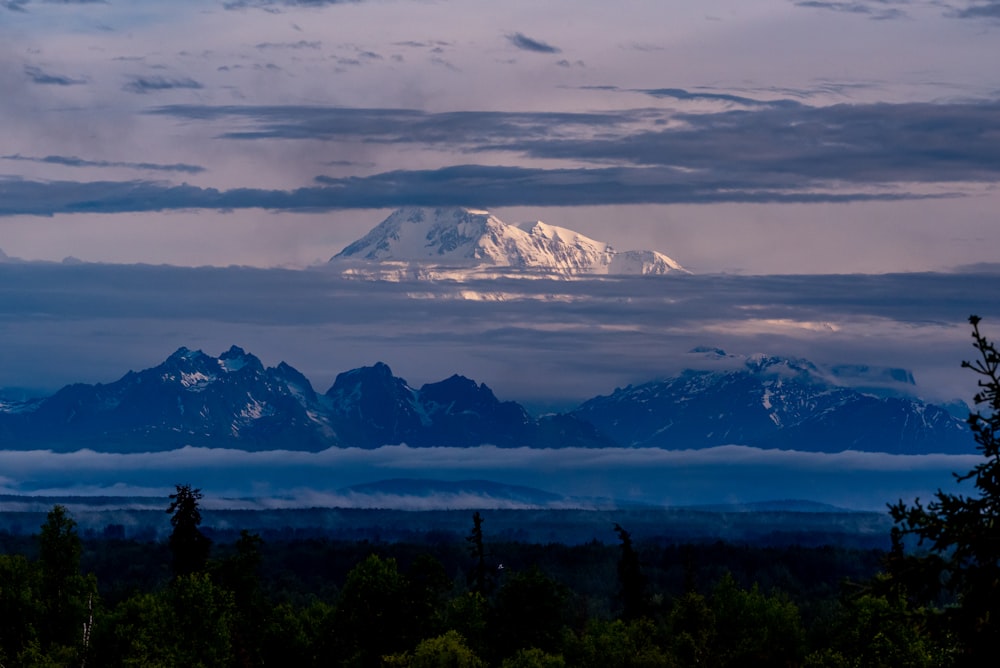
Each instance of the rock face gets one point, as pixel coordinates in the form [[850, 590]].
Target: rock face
[[233, 401], [189, 399], [455, 242], [371, 407], [772, 402]]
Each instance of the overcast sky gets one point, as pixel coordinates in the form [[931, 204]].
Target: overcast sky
[[752, 139], [775, 136], [823, 167]]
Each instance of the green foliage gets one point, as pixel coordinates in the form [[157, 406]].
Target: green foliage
[[692, 629], [66, 596], [533, 658], [619, 644], [444, 651], [468, 613], [369, 621], [20, 607], [188, 545], [187, 624], [294, 636], [530, 611], [759, 630], [877, 632], [963, 532]]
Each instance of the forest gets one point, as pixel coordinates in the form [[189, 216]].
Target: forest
[[930, 599]]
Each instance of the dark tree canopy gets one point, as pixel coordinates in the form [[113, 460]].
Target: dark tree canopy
[[962, 532], [188, 545], [478, 550], [631, 582]]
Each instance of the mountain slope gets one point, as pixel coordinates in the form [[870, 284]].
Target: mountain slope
[[446, 241], [233, 401], [772, 402], [189, 399]]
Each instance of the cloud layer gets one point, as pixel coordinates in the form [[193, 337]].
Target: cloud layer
[[729, 474]]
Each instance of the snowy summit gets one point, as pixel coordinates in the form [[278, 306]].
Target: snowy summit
[[456, 242]]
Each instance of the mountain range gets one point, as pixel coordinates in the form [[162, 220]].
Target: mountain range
[[458, 243], [233, 401]]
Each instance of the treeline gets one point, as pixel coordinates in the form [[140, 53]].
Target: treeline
[[474, 602]]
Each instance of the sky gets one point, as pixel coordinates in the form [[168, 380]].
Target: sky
[[778, 136], [827, 170]]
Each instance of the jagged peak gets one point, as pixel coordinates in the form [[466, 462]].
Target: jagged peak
[[379, 373], [236, 358], [185, 353]]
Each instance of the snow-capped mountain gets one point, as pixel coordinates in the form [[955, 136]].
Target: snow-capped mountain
[[233, 401], [458, 243], [190, 399], [775, 402]]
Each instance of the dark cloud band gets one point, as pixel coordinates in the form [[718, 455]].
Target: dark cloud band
[[73, 161]]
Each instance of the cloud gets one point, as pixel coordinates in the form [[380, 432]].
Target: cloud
[[977, 10], [19, 5], [132, 317], [151, 84], [301, 44], [449, 186], [892, 9], [682, 94], [879, 10], [39, 76], [271, 5], [873, 143], [773, 153], [73, 161], [525, 43], [728, 474], [773, 145]]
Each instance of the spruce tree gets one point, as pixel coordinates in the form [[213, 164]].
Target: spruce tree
[[188, 545], [962, 532]]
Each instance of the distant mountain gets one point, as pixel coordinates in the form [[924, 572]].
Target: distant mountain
[[233, 401], [773, 402], [370, 407], [458, 243], [459, 493], [189, 399]]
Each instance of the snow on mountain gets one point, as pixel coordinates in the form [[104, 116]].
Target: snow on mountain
[[457, 242], [774, 402], [233, 401]]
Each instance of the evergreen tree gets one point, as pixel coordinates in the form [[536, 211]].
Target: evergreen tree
[[475, 539], [631, 582], [188, 545], [963, 532], [66, 596]]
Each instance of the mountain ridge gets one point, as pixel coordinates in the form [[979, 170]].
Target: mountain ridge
[[234, 401]]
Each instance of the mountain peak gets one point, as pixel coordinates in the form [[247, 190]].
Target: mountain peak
[[186, 354], [470, 239], [236, 358]]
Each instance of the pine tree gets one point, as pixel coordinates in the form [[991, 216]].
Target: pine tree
[[475, 539], [188, 545], [631, 582], [962, 532]]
